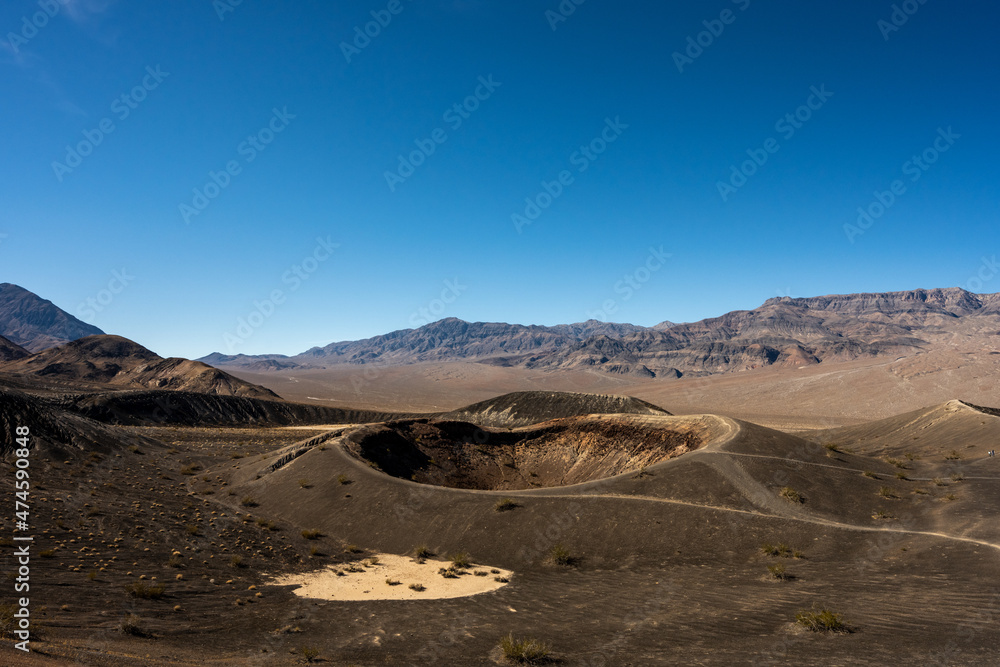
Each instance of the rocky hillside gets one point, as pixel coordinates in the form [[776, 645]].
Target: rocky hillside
[[35, 323]]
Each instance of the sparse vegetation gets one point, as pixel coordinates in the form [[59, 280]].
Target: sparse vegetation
[[781, 549], [953, 456], [192, 529], [895, 462], [505, 505], [461, 561], [311, 534], [791, 495], [249, 501], [832, 447], [343, 479], [392, 582], [887, 492], [190, 469], [560, 555], [957, 477], [418, 587], [304, 483], [870, 474], [145, 591], [777, 571], [902, 476], [821, 621], [524, 651], [237, 562], [310, 653], [131, 625], [422, 553]]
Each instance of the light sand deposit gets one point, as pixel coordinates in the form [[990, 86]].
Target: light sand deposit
[[369, 580]]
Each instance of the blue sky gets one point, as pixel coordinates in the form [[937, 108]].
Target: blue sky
[[590, 116]]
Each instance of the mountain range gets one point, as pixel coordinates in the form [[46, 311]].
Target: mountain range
[[38, 338], [783, 331]]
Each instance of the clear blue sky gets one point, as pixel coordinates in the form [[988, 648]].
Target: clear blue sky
[[219, 76]]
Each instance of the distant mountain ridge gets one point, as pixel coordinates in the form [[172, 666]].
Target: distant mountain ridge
[[117, 361], [35, 323], [783, 331]]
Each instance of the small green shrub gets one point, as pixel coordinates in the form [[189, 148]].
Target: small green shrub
[[461, 560], [822, 621], [145, 591], [791, 495], [560, 555], [524, 651], [505, 505]]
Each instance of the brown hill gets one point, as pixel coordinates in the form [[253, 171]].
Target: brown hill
[[35, 323], [120, 362], [10, 350], [523, 408]]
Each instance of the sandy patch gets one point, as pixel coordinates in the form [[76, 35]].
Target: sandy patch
[[367, 580]]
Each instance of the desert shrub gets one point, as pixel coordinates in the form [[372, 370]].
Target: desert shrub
[[895, 462], [777, 571], [461, 560], [392, 582], [821, 621], [311, 534], [505, 505], [870, 474], [524, 651], [192, 529], [501, 580], [448, 572], [791, 495], [902, 476], [131, 625], [832, 447], [418, 587], [954, 456], [190, 469], [957, 477], [422, 553], [887, 492], [237, 562], [560, 555], [343, 479], [310, 653], [249, 501], [304, 483], [145, 591]]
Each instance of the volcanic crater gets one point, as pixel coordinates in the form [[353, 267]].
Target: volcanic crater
[[554, 453]]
